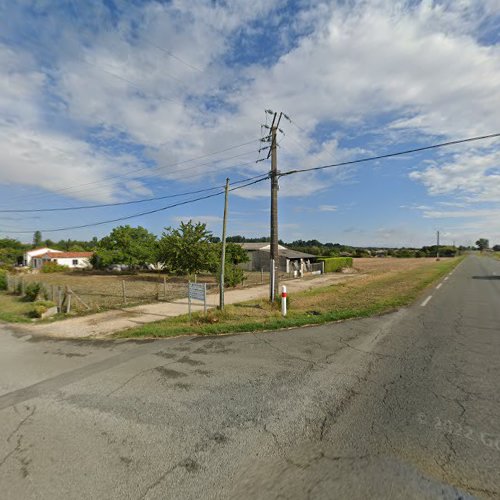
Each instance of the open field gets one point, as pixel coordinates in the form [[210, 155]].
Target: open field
[[390, 264], [387, 285]]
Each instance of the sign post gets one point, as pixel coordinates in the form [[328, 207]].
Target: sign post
[[197, 291]]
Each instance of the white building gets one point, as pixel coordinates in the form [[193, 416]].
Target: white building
[[28, 256], [73, 260]]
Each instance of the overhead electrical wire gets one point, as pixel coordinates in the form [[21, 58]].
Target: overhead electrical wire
[[390, 155], [109, 182], [32, 41], [149, 212], [117, 204], [152, 170]]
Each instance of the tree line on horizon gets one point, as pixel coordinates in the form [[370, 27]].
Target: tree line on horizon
[[192, 248]]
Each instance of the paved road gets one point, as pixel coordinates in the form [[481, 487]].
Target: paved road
[[406, 405]]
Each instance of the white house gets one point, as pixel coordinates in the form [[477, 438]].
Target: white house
[[28, 256], [73, 260]]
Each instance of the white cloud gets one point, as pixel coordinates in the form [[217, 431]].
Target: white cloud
[[461, 214], [421, 63], [472, 175], [327, 208]]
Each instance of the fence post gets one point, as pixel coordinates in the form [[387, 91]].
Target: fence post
[[68, 299], [59, 299], [165, 287], [261, 275], [124, 297]]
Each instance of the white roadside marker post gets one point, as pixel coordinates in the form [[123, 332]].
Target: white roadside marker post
[[283, 300]]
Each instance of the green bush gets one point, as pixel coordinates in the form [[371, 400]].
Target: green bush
[[53, 267], [39, 308], [3, 280], [335, 264], [233, 275], [31, 292]]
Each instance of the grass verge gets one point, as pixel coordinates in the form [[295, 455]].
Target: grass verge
[[14, 310], [371, 295]]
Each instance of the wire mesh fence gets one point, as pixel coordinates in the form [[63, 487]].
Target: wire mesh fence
[[89, 292], [98, 292]]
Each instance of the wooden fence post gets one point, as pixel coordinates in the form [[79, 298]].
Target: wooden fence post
[[124, 297], [59, 299], [68, 299], [165, 287]]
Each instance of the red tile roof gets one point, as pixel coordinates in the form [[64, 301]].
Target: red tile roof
[[65, 255]]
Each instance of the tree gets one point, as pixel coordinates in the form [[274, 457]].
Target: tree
[[11, 251], [132, 246], [496, 248], [482, 244], [37, 239], [187, 250]]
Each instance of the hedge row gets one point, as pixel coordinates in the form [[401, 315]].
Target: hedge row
[[334, 264]]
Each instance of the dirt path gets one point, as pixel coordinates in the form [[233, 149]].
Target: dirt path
[[106, 323]]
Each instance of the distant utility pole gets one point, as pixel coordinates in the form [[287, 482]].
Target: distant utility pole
[[223, 258], [437, 246], [274, 264]]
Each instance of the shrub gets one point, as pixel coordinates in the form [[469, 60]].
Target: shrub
[[233, 275], [3, 280], [53, 267], [31, 291], [39, 308], [334, 264]]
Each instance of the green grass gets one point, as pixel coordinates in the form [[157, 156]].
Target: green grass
[[13, 309], [370, 296]]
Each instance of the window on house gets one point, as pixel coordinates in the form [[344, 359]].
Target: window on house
[[75, 262]]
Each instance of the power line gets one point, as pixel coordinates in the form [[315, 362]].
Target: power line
[[172, 55], [149, 170], [149, 212], [103, 205], [390, 155], [217, 170], [133, 84]]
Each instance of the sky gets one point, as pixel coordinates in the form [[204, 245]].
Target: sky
[[118, 101]]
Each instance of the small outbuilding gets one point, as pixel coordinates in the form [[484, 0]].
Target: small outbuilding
[[289, 260]]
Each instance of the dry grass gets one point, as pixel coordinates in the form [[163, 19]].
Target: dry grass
[[100, 291], [391, 264], [389, 286]]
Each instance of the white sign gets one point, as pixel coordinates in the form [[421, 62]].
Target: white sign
[[197, 291]]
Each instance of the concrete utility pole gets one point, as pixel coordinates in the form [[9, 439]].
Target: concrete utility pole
[[437, 249], [223, 258], [274, 254]]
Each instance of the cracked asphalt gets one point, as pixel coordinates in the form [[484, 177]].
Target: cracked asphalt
[[405, 405]]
